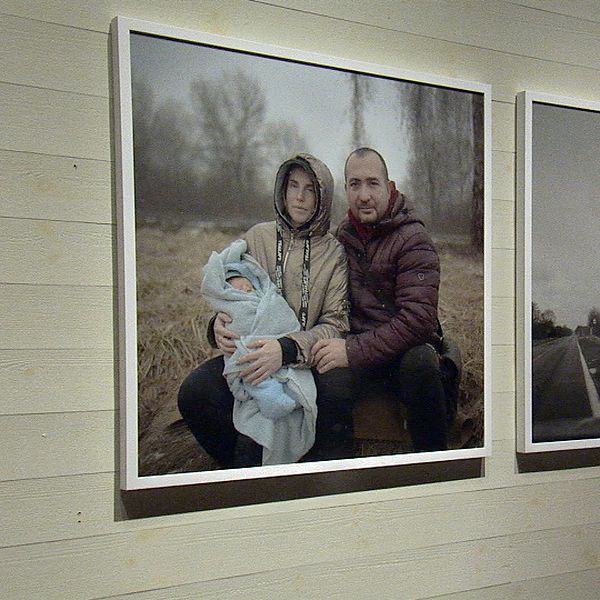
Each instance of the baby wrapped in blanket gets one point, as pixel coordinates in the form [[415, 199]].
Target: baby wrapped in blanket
[[279, 413]]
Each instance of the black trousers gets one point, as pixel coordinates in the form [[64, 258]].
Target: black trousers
[[206, 404], [414, 379]]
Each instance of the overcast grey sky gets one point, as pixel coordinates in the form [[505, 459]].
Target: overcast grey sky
[[317, 99], [566, 212]]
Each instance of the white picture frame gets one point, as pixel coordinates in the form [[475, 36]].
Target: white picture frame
[[555, 170], [124, 30]]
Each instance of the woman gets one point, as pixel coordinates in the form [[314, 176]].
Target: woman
[[308, 265]]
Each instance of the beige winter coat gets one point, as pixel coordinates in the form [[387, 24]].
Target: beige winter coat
[[328, 305]]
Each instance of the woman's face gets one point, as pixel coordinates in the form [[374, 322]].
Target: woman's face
[[300, 197]]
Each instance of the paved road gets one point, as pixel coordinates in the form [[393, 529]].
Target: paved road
[[560, 400], [559, 389]]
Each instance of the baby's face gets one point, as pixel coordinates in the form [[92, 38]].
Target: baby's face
[[240, 283]]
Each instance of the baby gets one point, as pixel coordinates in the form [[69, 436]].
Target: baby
[[271, 396], [280, 413]]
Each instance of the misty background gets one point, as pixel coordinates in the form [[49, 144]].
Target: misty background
[[565, 208], [211, 126]]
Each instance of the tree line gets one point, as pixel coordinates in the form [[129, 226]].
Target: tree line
[[214, 160], [543, 324], [218, 154]]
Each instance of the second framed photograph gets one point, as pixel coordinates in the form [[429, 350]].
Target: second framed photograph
[[304, 261], [558, 289]]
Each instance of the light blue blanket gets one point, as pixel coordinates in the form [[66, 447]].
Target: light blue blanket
[[262, 314]]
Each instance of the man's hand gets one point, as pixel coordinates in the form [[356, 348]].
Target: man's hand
[[262, 363], [224, 338], [329, 354]]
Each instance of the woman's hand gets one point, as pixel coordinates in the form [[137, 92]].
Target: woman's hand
[[262, 363], [224, 338]]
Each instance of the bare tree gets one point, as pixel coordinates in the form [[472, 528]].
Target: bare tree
[[361, 91], [165, 180], [441, 166], [284, 141], [536, 313], [543, 324], [213, 161], [594, 321], [230, 116]]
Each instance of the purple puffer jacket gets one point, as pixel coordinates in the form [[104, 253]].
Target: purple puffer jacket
[[406, 268]]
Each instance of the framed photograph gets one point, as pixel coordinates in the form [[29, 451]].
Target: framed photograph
[[202, 124], [558, 306]]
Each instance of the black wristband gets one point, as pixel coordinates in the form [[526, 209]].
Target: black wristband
[[210, 332], [289, 350]]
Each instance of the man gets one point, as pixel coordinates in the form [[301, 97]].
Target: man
[[394, 277]]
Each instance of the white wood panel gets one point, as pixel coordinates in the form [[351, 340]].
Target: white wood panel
[[39, 54], [503, 415], [41, 510], [503, 130], [503, 265], [503, 224], [503, 26], [55, 252], [52, 445], [56, 508], [503, 368], [57, 123], [577, 585], [587, 10], [40, 381], [36, 317], [503, 176], [67, 507], [503, 310], [320, 565], [54, 187], [506, 71], [98, 16], [580, 585]]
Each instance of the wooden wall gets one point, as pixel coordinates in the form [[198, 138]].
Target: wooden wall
[[507, 534]]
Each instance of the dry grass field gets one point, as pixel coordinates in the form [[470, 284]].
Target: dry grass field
[[172, 322], [460, 310]]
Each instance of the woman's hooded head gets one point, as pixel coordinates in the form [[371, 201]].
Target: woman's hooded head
[[322, 187]]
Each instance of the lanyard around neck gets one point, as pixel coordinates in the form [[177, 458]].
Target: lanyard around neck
[[303, 316]]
